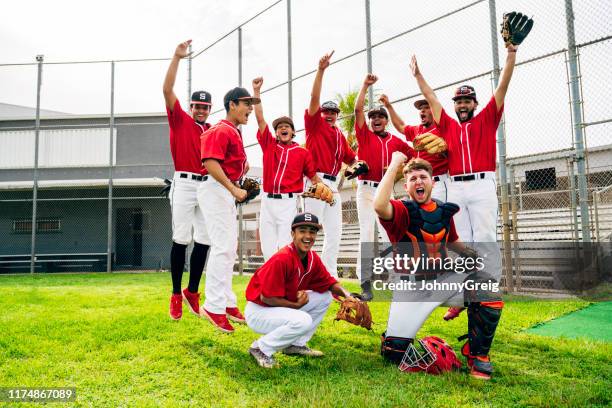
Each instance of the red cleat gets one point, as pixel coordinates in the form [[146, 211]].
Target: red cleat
[[453, 312], [176, 306], [192, 300], [233, 313], [481, 368], [218, 320]]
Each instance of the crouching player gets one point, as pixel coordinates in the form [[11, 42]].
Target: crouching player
[[289, 295], [426, 227]]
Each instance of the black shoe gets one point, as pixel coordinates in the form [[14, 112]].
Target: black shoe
[[366, 291]]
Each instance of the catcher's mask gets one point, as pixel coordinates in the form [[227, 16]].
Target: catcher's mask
[[433, 355]]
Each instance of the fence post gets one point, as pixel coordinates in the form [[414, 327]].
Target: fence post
[[501, 148], [39, 59], [575, 102], [289, 62], [369, 50], [572, 193], [240, 216], [516, 261], [109, 230]]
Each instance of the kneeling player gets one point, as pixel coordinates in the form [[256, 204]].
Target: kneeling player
[[427, 227], [289, 296]]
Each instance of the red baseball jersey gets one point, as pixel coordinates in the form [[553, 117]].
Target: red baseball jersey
[[284, 274], [284, 165], [185, 140], [376, 151], [438, 161], [223, 142], [398, 226], [327, 144], [471, 145]]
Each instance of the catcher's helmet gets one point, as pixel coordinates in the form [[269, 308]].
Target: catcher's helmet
[[435, 357]]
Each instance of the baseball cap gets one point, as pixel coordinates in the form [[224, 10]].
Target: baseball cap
[[378, 110], [283, 119], [330, 105], [239, 94], [201, 98], [306, 218], [465, 91], [420, 102]]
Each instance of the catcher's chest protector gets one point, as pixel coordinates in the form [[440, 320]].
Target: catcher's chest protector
[[428, 230]]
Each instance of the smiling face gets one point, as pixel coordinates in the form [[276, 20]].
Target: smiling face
[[378, 123], [284, 133], [464, 108], [200, 112], [329, 116], [240, 111], [304, 237], [426, 115], [419, 184]]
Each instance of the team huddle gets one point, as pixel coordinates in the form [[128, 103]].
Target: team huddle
[[448, 167]]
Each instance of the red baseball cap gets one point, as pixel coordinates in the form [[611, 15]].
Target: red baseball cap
[[465, 91]]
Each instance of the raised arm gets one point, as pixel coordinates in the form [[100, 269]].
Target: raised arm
[[506, 75], [261, 122], [398, 123], [182, 50], [369, 80], [426, 90], [315, 95], [382, 198]]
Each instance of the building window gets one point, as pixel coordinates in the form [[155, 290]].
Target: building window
[[43, 225], [541, 179]]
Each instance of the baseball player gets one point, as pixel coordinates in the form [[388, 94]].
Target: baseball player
[[471, 159], [285, 164], [438, 161], [223, 155], [375, 147], [289, 296], [329, 149], [424, 228], [187, 219]]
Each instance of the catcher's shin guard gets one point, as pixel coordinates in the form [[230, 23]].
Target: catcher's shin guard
[[483, 318], [393, 348]]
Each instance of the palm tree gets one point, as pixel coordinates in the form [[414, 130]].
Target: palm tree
[[346, 103]]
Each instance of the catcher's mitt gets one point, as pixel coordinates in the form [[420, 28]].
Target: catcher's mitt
[[430, 143], [359, 167], [321, 192], [515, 27], [165, 191], [355, 312], [252, 188]]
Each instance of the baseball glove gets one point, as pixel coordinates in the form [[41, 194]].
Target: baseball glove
[[359, 167], [321, 192], [165, 191], [430, 143], [515, 28], [252, 188], [355, 312]]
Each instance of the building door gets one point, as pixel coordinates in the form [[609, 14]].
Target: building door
[[129, 227]]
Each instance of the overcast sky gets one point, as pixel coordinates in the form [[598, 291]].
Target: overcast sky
[[453, 48]]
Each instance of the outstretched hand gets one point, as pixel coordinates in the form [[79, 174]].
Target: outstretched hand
[[324, 61], [414, 66], [182, 50]]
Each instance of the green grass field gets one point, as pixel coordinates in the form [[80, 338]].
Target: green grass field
[[110, 337]]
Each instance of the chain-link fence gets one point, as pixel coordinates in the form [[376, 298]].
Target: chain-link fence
[[94, 193]]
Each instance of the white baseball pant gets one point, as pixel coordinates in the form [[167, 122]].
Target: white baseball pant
[[187, 218], [282, 326], [367, 219], [276, 215], [330, 217], [439, 191], [219, 209], [476, 221]]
